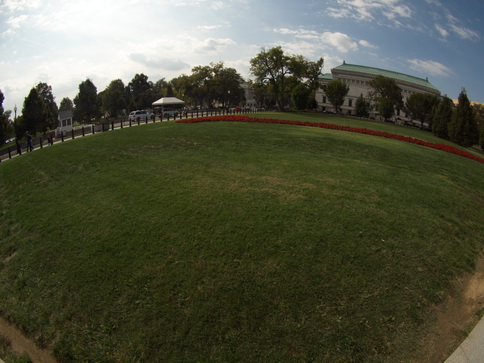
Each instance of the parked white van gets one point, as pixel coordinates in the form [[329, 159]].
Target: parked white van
[[141, 115]]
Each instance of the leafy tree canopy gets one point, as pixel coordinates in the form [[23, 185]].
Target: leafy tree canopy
[[3, 120], [361, 107], [463, 127], [336, 91], [386, 88], [273, 67], [182, 88], [32, 115], [479, 116], [442, 117], [114, 98], [141, 92], [66, 104], [301, 96], [49, 106], [226, 86], [86, 101], [209, 85], [385, 108], [420, 106]]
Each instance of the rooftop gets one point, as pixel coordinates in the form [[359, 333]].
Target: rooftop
[[386, 73]]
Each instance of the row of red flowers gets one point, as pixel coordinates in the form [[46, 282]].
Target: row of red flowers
[[242, 118]]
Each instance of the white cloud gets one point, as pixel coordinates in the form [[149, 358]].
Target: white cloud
[[342, 42], [209, 27], [217, 5], [331, 61], [7, 33], [444, 33], [21, 5], [159, 63], [430, 67], [464, 33], [369, 10], [304, 48], [299, 33], [213, 45], [338, 13], [16, 21], [402, 11], [367, 44], [461, 31]]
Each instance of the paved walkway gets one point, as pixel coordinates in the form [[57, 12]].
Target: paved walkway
[[472, 349]]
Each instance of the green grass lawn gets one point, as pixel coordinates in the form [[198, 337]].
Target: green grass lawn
[[235, 241]]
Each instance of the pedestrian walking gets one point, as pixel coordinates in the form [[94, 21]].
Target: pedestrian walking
[[30, 147]]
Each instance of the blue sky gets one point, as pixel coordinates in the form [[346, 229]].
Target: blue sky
[[63, 42]]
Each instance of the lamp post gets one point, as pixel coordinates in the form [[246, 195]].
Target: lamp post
[[15, 113]]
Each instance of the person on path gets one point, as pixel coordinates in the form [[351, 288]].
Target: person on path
[[30, 147]]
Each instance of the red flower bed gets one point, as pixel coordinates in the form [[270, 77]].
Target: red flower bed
[[242, 118]]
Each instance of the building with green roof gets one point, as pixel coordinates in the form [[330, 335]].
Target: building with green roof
[[358, 77]]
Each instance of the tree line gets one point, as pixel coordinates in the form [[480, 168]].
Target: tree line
[[281, 81], [206, 86], [461, 123]]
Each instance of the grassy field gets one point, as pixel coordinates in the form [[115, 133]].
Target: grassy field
[[233, 241]]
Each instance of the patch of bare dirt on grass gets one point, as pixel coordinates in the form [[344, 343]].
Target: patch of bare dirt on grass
[[20, 344], [456, 316]]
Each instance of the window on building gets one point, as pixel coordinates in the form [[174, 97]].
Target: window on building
[[350, 102], [324, 99]]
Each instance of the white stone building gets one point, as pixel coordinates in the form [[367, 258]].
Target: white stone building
[[357, 77], [248, 94], [64, 122]]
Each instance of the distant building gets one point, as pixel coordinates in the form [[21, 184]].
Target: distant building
[[357, 77], [64, 122], [248, 94]]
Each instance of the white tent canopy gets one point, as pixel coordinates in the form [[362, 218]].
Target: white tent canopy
[[165, 101]]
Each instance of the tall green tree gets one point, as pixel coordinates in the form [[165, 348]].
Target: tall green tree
[[301, 96], [336, 91], [141, 92], [263, 94], [385, 108], [420, 106], [226, 86], [49, 106], [66, 104], [362, 107], [86, 102], [209, 85], [385, 88], [442, 117], [311, 72], [160, 88], [113, 98], [463, 127], [3, 120], [182, 88], [199, 89], [273, 67], [479, 116], [481, 135], [32, 113]]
